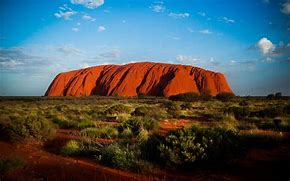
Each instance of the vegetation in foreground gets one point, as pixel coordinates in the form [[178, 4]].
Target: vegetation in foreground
[[126, 133]]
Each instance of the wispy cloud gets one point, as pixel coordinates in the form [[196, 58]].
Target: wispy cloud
[[205, 31], [91, 4], [65, 15], [190, 30], [17, 59], [75, 29], [286, 7], [88, 18], [65, 12], [67, 49], [158, 7], [201, 14], [101, 29], [179, 15], [226, 20], [184, 59]]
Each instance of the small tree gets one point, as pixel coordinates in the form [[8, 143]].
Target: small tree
[[278, 95]]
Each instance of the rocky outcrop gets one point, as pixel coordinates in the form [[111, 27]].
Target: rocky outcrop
[[149, 78]]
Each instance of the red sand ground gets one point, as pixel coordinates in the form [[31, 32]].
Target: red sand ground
[[43, 162], [142, 77]]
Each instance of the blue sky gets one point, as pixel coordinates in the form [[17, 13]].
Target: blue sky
[[247, 40]]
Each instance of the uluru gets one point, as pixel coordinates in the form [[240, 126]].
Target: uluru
[[149, 78]]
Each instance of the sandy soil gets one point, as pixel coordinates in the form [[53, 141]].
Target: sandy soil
[[44, 163]]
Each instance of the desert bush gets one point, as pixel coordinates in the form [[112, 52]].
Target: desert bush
[[239, 112], [108, 131], [138, 123], [205, 97], [287, 109], [146, 111], [72, 147], [62, 122], [187, 97], [119, 156], [126, 133], [142, 111], [186, 106], [278, 95], [117, 109], [270, 96], [270, 112], [143, 135], [31, 126], [229, 122], [225, 96], [11, 163], [142, 95], [85, 124], [192, 144]]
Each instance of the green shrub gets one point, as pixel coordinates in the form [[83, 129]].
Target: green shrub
[[239, 112], [187, 97], [192, 144], [205, 97], [225, 96], [108, 131], [278, 95], [271, 112], [64, 123], [72, 147], [270, 96], [186, 106], [126, 133], [117, 109], [8, 164], [31, 126], [287, 109], [142, 95], [138, 123], [143, 135], [142, 111], [85, 124], [118, 156]]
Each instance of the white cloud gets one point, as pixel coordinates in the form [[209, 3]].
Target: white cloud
[[226, 20], [88, 18], [179, 15], [205, 31], [91, 4], [201, 14], [175, 38], [232, 62], [187, 59], [101, 29], [75, 29], [265, 46], [65, 15], [10, 63], [68, 50], [158, 7], [190, 30], [286, 8], [84, 65]]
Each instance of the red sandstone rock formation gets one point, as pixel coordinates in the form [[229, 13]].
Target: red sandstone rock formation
[[149, 78]]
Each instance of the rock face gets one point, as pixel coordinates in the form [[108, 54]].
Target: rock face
[[149, 78]]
